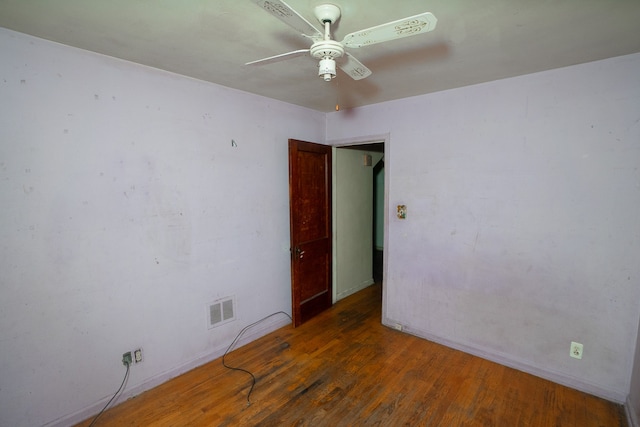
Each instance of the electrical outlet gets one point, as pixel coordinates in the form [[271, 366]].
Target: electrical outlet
[[398, 327], [576, 350], [126, 358], [137, 355]]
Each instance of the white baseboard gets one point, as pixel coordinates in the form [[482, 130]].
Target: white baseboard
[[257, 332]]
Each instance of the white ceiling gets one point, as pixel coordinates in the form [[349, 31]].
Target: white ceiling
[[474, 41]]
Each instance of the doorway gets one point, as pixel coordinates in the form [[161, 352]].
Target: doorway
[[358, 211]]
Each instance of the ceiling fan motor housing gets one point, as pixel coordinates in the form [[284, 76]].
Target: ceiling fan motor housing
[[327, 49]]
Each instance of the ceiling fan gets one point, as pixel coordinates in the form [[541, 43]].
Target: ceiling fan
[[327, 50]]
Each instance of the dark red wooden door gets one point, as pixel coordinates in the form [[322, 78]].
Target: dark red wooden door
[[310, 218]]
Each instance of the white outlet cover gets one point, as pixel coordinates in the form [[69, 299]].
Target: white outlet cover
[[575, 350]]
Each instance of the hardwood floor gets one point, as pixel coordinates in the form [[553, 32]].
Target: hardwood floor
[[343, 368]]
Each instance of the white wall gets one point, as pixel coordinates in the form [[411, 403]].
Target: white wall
[[125, 210], [353, 221], [522, 231]]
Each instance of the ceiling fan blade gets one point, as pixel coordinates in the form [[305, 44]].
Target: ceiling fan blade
[[353, 67], [410, 26], [286, 14], [278, 58]]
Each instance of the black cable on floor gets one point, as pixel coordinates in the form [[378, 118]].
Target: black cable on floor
[[126, 374], [253, 378]]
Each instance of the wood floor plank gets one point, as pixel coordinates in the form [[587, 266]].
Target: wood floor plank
[[343, 368]]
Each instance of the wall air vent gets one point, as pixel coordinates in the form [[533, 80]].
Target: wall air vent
[[221, 311]]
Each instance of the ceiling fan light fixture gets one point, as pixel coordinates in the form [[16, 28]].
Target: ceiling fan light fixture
[[327, 69]]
